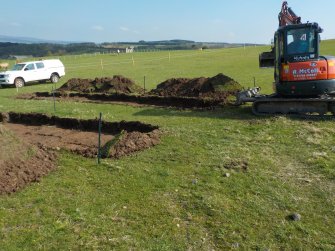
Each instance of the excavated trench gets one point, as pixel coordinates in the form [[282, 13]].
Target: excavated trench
[[170, 101], [41, 137]]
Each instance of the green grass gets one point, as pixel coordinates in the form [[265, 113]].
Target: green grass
[[10, 145], [176, 196]]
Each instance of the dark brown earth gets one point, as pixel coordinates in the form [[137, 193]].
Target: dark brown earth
[[81, 142], [21, 162], [128, 99], [237, 165], [217, 87], [29, 150], [116, 84]]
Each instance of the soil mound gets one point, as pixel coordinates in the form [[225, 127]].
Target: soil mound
[[117, 84], [131, 142], [217, 87]]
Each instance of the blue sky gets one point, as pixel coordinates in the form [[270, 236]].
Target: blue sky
[[133, 20]]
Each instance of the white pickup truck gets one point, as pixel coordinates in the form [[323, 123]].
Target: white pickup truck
[[21, 73]]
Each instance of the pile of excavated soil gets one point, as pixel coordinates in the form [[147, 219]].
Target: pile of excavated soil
[[217, 87], [21, 162], [117, 84]]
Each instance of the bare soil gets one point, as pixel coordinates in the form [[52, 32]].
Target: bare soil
[[29, 143], [237, 165], [128, 99], [116, 84], [21, 162], [83, 142]]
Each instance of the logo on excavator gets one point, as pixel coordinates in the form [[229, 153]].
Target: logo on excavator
[[305, 73], [301, 58]]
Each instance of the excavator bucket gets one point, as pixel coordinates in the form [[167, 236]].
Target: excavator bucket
[[267, 59]]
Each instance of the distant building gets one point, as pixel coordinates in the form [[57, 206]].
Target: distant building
[[130, 49], [19, 57], [122, 50], [114, 48]]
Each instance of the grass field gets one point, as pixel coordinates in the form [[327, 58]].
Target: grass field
[[219, 180]]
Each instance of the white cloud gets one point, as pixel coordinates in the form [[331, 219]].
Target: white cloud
[[124, 28], [97, 28]]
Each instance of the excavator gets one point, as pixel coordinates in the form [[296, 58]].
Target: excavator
[[304, 81]]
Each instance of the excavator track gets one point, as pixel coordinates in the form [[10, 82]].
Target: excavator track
[[305, 107]]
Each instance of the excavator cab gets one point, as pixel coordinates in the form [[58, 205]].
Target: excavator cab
[[301, 42], [295, 43], [299, 69]]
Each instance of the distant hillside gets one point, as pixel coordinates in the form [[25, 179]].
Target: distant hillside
[[30, 40], [19, 46], [7, 50], [175, 44]]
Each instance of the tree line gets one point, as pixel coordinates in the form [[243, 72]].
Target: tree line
[[45, 49], [8, 50]]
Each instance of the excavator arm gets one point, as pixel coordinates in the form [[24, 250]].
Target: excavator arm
[[285, 17]]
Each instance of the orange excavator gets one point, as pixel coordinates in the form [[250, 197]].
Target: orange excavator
[[304, 80]]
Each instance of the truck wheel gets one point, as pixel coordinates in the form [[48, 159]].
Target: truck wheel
[[54, 78], [19, 82]]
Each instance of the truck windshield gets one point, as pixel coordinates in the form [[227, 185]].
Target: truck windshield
[[300, 41], [18, 67]]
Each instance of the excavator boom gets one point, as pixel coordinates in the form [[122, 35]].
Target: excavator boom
[[285, 17]]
